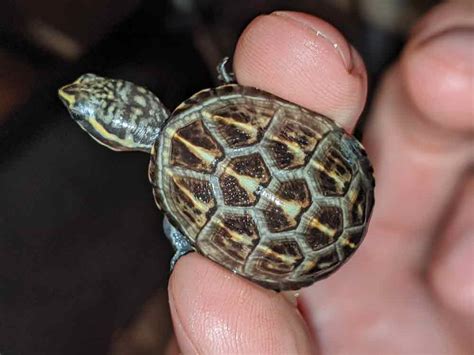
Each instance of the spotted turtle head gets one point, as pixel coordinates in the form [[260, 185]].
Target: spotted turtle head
[[116, 113], [85, 96]]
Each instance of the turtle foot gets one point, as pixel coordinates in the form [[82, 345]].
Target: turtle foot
[[179, 242], [223, 75]]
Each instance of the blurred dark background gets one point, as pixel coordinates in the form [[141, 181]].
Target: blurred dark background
[[83, 262]]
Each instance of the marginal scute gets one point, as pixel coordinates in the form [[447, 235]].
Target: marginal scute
[[242, 178], [193, 147], [241, 124], [283, 208], [321, 264], [230, 240], [350, 241], [324, 226], [332, 172], [193, 101], [356, 198], [278, 258], [194, 200]]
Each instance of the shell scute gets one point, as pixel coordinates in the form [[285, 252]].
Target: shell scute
[[284, 206], [242, 179], [323, 226], [240, 125], [230, 239], [349, 242], [333, 172], [320, 265], [193, 147], [276, 258], [292, 141], [193, 201], [357, 204]]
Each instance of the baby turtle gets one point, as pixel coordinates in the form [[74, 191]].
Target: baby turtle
[[271, 191]]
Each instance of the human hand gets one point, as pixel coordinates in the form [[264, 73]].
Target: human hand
[[409, 289]]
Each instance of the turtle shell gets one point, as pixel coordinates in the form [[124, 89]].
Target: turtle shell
[[274, 192]]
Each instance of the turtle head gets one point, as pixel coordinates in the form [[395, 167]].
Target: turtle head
[[83, 98], [116, 113]]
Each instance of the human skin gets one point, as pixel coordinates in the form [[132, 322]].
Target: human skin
[[410, 287]]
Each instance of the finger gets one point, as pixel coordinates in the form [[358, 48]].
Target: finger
[[445, 99], [303, 60], [419, 151], [420, 147], [217, 312], [451, 271]]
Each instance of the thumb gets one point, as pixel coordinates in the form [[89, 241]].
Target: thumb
[[217, 312]]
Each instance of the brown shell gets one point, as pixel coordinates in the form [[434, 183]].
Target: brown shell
[[274, 192]]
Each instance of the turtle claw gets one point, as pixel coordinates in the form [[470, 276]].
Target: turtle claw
[[177, 255], [179, 242], [223, 75]]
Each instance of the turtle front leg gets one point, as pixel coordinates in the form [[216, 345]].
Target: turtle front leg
[[222, 74], [179, 242]]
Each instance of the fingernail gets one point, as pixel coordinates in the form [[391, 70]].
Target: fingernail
[[454, 45], [340, 46]]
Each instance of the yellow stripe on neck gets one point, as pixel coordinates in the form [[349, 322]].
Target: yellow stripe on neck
[[102, 131]]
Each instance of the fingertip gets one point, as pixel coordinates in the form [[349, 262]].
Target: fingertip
[[304, 60], [437, 68], [217, 312]]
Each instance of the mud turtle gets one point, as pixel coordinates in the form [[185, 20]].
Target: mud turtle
[[274, 192]]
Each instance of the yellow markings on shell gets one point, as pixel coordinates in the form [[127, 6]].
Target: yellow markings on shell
[[292, 209], [345, 242], [332, 174], [237, 237], [309, 265], [294, 147], [247, 182], [181, 106], [249, 129], [200, 205], [353, 194], [268, 251], [322, 227], [200, 152]]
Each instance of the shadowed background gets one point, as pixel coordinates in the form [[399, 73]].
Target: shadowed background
[[83, 262]]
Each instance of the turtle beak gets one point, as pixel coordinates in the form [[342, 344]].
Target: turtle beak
[[67, 94]]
